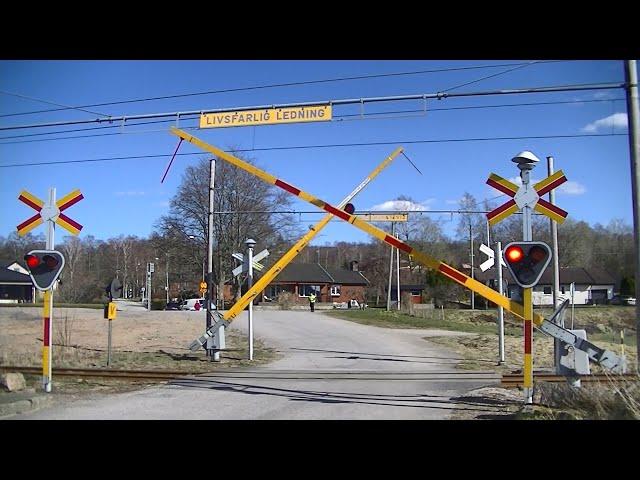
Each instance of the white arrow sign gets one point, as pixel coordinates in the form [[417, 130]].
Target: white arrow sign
[[487, 264], [244, 267]]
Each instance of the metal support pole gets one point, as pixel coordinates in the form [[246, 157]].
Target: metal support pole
[[218, 342], [249, 285], [498, 265], [109, 346], [167, 279], [528, 346], [633, 113], [473, 297], [556, 268], [47, 352], [398, 276], [527, 234], [149, 287], [393, 225]]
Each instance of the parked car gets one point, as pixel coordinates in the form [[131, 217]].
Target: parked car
[[623, 300], [173, 306], [192, 302]]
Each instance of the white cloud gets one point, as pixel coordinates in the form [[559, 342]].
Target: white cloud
[[567, 188], [602, 95], [451, 202], [617, 120], [403, 205], [130, 193], [164, 204], [572, 188]]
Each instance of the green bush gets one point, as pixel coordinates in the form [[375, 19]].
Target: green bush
[[158, 304]]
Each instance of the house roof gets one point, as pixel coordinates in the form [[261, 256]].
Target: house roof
[[315, 273], [347, 277], [7, 262], [9, 276], [578, 275]]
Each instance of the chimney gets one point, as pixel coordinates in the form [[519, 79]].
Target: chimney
[[354, 265]]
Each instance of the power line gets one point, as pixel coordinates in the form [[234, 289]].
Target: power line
[[277, 85], [348, 101], [490, 76], [336, 145], [66, 107], [385, 115]]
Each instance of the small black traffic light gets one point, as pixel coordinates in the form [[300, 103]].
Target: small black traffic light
[[44, 267], [527, 261]]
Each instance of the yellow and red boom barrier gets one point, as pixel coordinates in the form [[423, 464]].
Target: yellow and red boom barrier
[[423, 258]]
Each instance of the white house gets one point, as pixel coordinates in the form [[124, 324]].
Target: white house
[[591, 286]]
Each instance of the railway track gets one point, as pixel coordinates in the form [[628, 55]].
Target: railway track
[[510, 380], [264, 374], [505, 380]]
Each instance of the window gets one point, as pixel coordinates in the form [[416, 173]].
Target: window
[[306, 290], [273, 291], [415, 293], [335, 290], [562, 289], [547, 290]]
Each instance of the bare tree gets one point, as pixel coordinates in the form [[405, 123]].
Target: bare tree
[[236, 195]]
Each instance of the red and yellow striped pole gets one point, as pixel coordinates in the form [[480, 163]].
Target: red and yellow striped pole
[[528, 346], [366, 227], [47, 315]]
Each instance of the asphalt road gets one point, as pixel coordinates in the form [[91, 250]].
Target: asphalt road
[[331, 369]]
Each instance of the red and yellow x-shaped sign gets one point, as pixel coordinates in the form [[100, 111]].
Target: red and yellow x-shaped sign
[[541, 206], [52, 213]]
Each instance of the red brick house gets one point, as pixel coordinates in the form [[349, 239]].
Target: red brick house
[[329, 284]]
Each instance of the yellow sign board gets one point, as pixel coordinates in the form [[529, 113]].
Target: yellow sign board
[[381, 217], [267, 116], [112, 311]]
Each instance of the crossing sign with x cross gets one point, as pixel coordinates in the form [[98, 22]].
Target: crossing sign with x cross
[[50, 212], [520, 197]]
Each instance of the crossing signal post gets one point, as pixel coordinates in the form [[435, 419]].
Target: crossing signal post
[[45, 265]]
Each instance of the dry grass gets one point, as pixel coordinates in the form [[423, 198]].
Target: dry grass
[[615, 399]]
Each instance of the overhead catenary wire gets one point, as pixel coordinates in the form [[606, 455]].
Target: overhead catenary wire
[[338, 145], [278, 85], [354, 116], [348, 101], [66, 107]]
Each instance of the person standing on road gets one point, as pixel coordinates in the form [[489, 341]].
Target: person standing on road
[[312, 301]]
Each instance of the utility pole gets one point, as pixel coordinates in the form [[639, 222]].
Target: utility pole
[[526, 161], [217, 343], [398, 275], [393, 226], [250, 244], [631, 80], [167, 257], [473, 298], [556, 268], [498, 266]]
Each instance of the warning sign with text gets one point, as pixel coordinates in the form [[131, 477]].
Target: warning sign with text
[[267, 116]]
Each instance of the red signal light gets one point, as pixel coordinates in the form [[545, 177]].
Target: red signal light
[[32, 261], [514, 254], [349, 208]]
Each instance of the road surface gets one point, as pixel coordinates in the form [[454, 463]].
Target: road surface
[[330, 369]]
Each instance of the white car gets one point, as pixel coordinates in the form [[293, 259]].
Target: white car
[[191, 304]]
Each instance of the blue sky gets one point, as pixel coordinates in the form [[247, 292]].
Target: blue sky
[[126, 197]]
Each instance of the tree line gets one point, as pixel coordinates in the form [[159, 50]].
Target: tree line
[[178, 243]]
